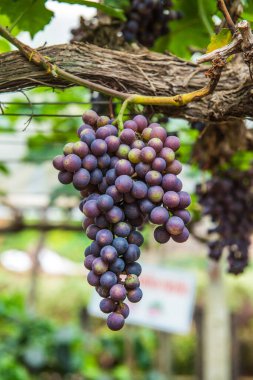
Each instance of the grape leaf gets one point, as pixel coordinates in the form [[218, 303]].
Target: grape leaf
[[109, 10], [219, 40], [28, 15]]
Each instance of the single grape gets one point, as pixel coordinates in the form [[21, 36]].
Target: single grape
[[92, 278], [99, 267], [103, 132], [138, 144], [146, 206], [90, 209], [153, 178], [120, 244], [81, 149], [134, 295], [142, 169], [83, 127], [182, 237], [132, 281], [148, 154], [141, 122], [123, 151], [159, 132], [135, 237], [104, 237], [123, 167], [68, 149], [127, 136], [172, 142], [159, 215], [105, 202], [58, 162], [111, 176], [65, 177], [175, 225], [90, 162], [123, 309], [139, 190], [185, 199], [113, 143], [155, 194], [134, 268], [115, 321], [98, 147], [132, 253], [130, 124], [167, 154], [159, 164], [88, 137], [72, 163], [90, 117], [132, 211], [104, 161], [115, 215], [81, 179], [118, 292], [161, 235], [183, 214], [171, 199], [102, 291], [108, 279], [134, 155], [95, 248], [122, 229], [156, 144], [101, 221], [91, 231], [88, 261], [169, 182], [146, 134], [124, 183], [102, 187], [87, 251], [114, 161], [174, 168], [109, 254], [107, 305], [102, 120], [114, 193], [117, 266]]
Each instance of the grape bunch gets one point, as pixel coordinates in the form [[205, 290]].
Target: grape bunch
[[148, 19], [126, 179], [228, 199]]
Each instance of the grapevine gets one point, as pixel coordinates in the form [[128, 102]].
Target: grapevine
[[127, 178]]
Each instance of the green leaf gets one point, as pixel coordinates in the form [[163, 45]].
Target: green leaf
[[109, 10], [28, 15], [219, 40]]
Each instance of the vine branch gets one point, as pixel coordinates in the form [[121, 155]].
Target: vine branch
[[223, 8]]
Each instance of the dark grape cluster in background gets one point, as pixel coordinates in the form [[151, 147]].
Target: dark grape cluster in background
[[126, 179], [228, 199], [148, 19]]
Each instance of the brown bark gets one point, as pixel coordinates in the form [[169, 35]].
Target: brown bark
[[143, 72]]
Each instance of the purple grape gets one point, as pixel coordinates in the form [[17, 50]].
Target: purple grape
[[118, 292], [113, 143], [134, 268], [132, 253], [108, 279], [138, 144], [114, 161], [88, 137], [81, 179], [101, 221], [68, 149], [122, 229], [124, 183], [161, 235], [128, 198], [178, 185], [123, 151], [132, 211], [172, 142], [139, 190], [103, 132], [137, 222], [65, 177], [104, 237], [154, 125], [171, 199], [114, 130], [98, 147], [102, 291], [185, 199], [174, 168], [114, 193], [88, 261], [159, 132], [81, 149], [95, 248], [91, 231], [87, 221], [122, 309], [90, 162], [146, 134], [72, 163], [141, 122], [153, 178], [103, 186], [175, 225], [132, 281], [169, 182], [167, 154], [148, 154], [87, 251], [159, 164], [90, 117], [182, 237], [105, 202], [183, 214], [123, 167], [96, 177], [134, 295], [159, 215], [102, 121], [130, 124], [111, 176], [135, 237], [134, 155], [115, 215], [155, 194], [120, 244], [115, 321], [99, 267], [146, 206], [107, 305], [82, 128], [58, 162], [90, 209], [117, 266], [127, 136], [142, 169], [109, 254], [104, 161], [92, 278], [156, 144]]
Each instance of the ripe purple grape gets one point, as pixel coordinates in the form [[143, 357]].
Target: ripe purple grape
[[159, 215], [122, 229], [90, 117], [172, 142], [132, 253], [174, 168], [130, 124], [117, 266], [113, 143], [167, 154], [81, 179], [118, 292], [72, 163], [139, 190], [120, 244], [90, 162], [134, 295], [114, 193], [105, 202], [171, 199], [88, 261], [185, 199], [141, 122], [124, 183], [132, 281], [90, 209], [104, 237], [182, 237], [58, 162], [103, 132], [153, 178], [91, 231], [183, 214], [108, 279], [122, 167], [99, 267], [107, 305], [92, 278], [134, 268], [104, 161], [148, 154], [142, 169], [159, 164], [115, 215], [98, 147], [155, 194], [123, 309], [175, 225], [81, 149], [127, 136], [115, 321], [135, 237], [161, 235], [156, 144], [109, 254], [65, 177], [158, 132]]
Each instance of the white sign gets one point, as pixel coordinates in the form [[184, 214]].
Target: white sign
[[167, 303]]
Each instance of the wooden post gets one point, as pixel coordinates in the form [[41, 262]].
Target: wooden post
[[164, 357], [217, 340]]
